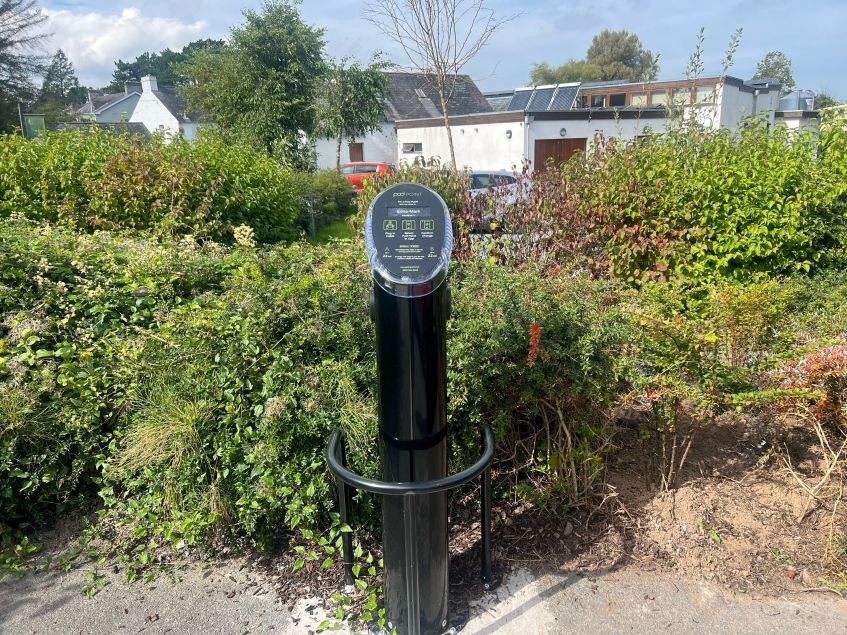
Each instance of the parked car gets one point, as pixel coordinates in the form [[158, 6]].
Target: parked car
[[502, 187], [356, 172]]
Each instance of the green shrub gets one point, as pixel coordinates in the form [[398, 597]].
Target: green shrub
[[100, 180], [324, 196], [452, 186], [688, 205]]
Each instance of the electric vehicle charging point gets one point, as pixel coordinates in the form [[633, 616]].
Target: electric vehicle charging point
[[409, 238]]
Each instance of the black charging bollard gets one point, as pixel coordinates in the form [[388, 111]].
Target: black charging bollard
[[408, 237], [409, 246]]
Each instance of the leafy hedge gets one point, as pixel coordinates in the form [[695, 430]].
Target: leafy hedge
[[199, 385], [323, 198], [98, 180]]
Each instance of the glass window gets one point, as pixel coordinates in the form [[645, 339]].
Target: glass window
[[638, 99], [681, 96], [480, 181], [598, 101], [658, 98], [350, 169], [408, 148], [618, 100], [704, 95], [581, 101], [367, 169]]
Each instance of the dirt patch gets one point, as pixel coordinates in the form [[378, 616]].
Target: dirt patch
[[733, 520]]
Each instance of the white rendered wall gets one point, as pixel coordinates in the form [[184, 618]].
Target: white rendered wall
[[798, 123], [487, 146], [479, 147], [153, 114], [379, 146], [189, 130]]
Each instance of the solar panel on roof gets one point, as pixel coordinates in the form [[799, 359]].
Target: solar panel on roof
[[541, 99], [564, 98], [520, 100]]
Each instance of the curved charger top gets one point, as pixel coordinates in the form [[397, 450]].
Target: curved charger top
[[408, 239]]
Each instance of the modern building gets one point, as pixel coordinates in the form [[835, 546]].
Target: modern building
[[545, 123]]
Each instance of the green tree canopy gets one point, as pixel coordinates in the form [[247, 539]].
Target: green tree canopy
[[21, 46], [61, 83], [824, 99], [351, 99], [163, 65], [262, 85], [776, 65], [612, 55]]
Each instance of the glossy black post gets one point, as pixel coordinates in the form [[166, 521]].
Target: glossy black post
[[344, 514], [411, 338], [486, 529]]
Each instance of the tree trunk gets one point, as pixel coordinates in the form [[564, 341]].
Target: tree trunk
[[449, 132], [338, 149]]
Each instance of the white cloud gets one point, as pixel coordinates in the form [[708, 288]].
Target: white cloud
[[94, 41]]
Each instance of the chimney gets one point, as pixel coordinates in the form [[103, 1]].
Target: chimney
[[149, 83], [132, 86], [93, 94]]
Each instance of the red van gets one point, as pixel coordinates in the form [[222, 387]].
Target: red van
[[356, 172]]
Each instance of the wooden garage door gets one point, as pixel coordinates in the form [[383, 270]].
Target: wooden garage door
[[559, 150]]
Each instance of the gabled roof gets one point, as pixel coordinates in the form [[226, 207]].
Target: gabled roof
[[175, 104], [414, 96], [103, 102]]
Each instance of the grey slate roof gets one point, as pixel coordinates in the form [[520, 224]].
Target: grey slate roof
[[101, 102], [413, 96], [175, 104], [117, 128]]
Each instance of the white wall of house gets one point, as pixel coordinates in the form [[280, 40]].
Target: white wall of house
[[481, 147], [380, 146], [189, 130], [794, 120], [152, 112], [734, 105], [487, 146]]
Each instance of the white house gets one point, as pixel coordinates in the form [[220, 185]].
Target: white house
[[162, 110], [554, 122], [407, 96], [158, 108], [110, 107]]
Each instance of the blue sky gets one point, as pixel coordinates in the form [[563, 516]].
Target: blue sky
[[94, 33]]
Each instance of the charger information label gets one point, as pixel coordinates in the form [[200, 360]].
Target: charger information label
[[409, 230]]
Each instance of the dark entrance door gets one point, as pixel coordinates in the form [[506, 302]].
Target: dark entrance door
[[357, 152], [557, 150]]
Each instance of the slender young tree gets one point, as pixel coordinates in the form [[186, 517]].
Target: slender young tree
[[21, 56], [439, 37], [351, 100]]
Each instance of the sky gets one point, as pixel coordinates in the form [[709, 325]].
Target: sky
[[95, 33]]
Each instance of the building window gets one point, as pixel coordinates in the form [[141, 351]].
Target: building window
[[658, 98], [598, 101], [682, 96], [638, 99], [618, 100], [642, 139], [582, 101], [704, 95], [410, 148]]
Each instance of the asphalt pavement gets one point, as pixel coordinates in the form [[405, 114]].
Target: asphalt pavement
[[231, 598]]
